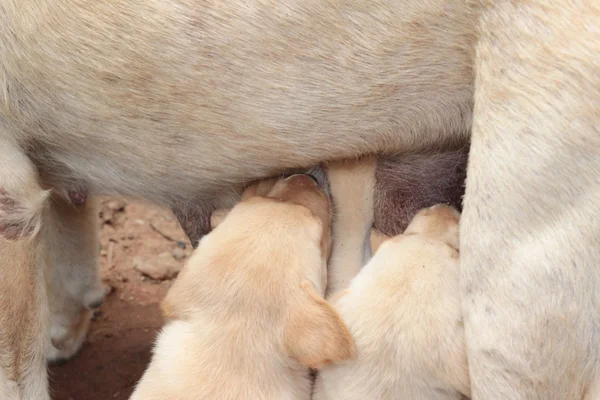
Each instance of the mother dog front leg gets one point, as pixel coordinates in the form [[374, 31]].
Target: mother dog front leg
[[530, 234]]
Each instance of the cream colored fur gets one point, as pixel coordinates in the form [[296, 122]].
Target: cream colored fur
[[72, 274], [123, 97], [22, 201], [23, 319], [352, 183], [23, 258], [66, 239], [126, 96], [403, 309], [246, 315], [530, 234]]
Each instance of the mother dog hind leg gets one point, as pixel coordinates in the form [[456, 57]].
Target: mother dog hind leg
[[23, 304], [530, 234], [72, 275], [23, 320]]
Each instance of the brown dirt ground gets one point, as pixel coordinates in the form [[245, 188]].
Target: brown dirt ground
[[118, 346]]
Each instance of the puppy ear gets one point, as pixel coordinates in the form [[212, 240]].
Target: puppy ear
[[218, 216], [376, 239], [316, 335]]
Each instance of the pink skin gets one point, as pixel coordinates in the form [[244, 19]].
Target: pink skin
[[77, 197]]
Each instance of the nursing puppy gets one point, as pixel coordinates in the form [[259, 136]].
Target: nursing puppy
[[246, 315], [403, 310]]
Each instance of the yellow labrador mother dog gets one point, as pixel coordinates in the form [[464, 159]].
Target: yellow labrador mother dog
[[403, 309], [247, 318], [181, 102]]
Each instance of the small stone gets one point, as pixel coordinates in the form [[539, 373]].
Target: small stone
[[113, 212], [96, 315], [180, 244], [163, 267], [139, 222], [116, 205], [137, 261], [178, 253], [103, 253]]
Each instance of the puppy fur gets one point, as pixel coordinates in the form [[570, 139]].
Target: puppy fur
[[247, 318], [404, 312]]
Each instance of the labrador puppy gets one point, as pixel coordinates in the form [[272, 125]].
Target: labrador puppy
[[404, 311], [247, 318]]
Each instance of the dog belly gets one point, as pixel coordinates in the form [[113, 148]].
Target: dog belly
[[407, 183]]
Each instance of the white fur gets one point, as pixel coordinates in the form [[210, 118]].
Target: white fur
[[530, 236], [246, 320], [403, 309], [23, 323], [126, 96]]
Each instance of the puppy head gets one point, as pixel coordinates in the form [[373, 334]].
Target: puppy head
[[315, 334], [300, 189], [258, 188], [439, 222], [304, 190], [279, 232]]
